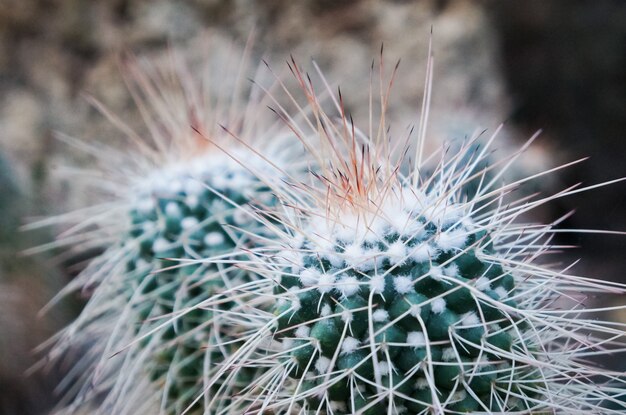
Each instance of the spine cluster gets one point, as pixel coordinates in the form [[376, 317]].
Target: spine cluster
[[411, 313]]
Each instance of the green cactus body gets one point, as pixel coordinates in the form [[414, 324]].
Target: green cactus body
[[180, 217], [362, 288], [368, 320], [185, 202]]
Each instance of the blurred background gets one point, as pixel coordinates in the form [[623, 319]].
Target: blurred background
[[559, 66]]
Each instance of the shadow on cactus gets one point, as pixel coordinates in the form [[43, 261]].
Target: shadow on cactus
[[184, 192], [394, 292]]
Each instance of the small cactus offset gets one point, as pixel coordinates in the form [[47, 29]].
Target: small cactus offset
[[396, 293], [189, 192]]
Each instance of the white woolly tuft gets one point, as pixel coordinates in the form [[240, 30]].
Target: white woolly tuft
[[303, 331], [241, 216], [443, 214], [469, 319], [309, 277], [449, 354], [458, 396], [349, 345], [347, 316], [416, 339], [413, 199], [501, 292], [322, 364], [377, 283], [161, 245], [383, 368], [438, 305], [397, 218], [142, 263], [483, 283], [193, 187], [288, 257], [482, 360], [346, 230], [326, 283], [148, 227], [421, 384], [295, 304], [436, 273], [219, 182], [326, 310], [337, 406], [372, 258], [380, 315], [333, 257], [322, 241], [189, 222], [401, 409], [353, 227], [403, 284], [424, 252], [452, 240], [415, 310], [172, 210], [192, 201], [353, 254], [348, 286], [213, 239], [451, 270]]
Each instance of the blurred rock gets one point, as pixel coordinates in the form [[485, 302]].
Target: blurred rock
[[60, 49]]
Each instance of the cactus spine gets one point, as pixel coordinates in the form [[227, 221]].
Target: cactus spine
[[365, 288], [396, 293], [188, 218]]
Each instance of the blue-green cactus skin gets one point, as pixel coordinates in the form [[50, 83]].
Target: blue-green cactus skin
[[189, 220], [415, 305]]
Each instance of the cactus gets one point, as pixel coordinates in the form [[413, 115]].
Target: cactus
[[416, 304], [188, 218], [407, 303], [235, 285], [394, 292], [189, 193]]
